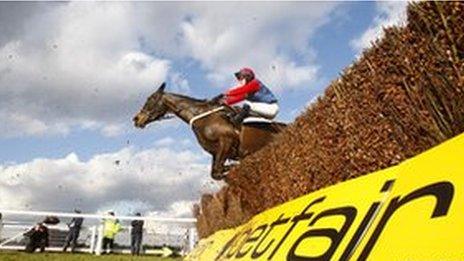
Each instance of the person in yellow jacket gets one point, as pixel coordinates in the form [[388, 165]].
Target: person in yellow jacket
[[111, 227]]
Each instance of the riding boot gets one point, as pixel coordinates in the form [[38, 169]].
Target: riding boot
[[239, 117]]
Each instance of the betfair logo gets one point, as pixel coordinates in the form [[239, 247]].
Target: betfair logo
[[265, 240]]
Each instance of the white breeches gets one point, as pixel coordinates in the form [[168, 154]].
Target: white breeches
[[265, 110]]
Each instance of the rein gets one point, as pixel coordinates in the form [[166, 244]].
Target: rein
[[202, 115]]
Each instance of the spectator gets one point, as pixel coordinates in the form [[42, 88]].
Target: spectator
[[73, 233], [111, 227], [37, 237], [136, 235]]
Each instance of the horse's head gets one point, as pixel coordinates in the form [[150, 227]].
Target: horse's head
[[153, 110]]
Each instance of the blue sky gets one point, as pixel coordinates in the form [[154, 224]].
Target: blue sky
[[70, 79], [332, 51]]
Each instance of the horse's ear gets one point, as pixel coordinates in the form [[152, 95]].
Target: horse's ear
[[161, 88]]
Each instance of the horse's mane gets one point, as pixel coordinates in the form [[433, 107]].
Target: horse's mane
[[209, 103], [190, 98]]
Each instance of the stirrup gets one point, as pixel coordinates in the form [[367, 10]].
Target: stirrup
[[238, 119]]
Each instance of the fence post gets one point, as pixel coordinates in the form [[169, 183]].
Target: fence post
[[92, 239], [191, 238], [98, 249], [1, 227]]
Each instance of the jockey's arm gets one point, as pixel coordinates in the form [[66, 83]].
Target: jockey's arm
[[250, 87], [231, 100]]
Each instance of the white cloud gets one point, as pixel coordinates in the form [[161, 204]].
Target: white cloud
[[165, 142], [112, 130], [179, 82], [389, 13], [29, 126], [286, 74], [82, 65], [260, 35], [181, 208], [79, 62], [126, 181]]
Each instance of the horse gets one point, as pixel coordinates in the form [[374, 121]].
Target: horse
[[211, 124]]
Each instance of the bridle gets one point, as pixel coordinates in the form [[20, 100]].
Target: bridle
[[178, 111]]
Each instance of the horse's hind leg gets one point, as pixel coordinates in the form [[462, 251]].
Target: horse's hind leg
[[218, 168]]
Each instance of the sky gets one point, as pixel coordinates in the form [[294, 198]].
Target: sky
[[73, 74]]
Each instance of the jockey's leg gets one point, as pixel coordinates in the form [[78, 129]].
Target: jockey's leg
[[239, 117], [266, 110]]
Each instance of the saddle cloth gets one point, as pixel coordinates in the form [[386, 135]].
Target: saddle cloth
[[255, 119]]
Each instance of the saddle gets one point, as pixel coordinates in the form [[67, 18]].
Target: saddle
[[263, 124], [253, 120]]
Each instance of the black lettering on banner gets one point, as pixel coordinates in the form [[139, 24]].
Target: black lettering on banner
[[365, 223], [252, 238], [387, 186], [335, 236], [230, 244], [233, 251], [360, 231], [302, 216], [236, 239], [198, 251], [443, 193], [256, 253]]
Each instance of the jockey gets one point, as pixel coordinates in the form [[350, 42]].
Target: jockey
[[259, 100]]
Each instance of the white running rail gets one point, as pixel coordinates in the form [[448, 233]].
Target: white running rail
[[178, 232]]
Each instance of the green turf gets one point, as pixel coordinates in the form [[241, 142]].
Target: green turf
[[14, 256]]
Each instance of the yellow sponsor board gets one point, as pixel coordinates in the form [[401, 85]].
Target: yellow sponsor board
[[424, 218], [413, 211]]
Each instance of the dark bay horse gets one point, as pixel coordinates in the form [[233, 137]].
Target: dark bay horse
[[212, 128]]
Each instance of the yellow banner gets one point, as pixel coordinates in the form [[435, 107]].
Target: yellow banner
[[413, 211]]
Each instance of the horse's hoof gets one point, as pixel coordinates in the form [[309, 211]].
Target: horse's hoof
[[219, 176]]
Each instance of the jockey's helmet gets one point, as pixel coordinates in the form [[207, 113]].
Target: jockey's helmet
[[245, 73]]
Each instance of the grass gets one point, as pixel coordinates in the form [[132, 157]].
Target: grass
[[14, 256]]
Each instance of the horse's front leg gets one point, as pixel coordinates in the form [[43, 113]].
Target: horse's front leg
[[229, 166], [218, 168]]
